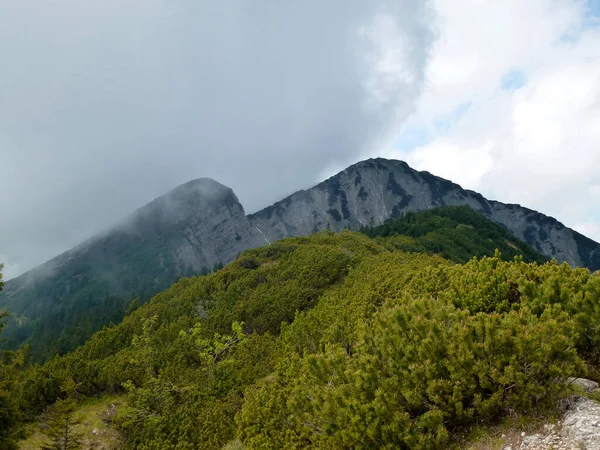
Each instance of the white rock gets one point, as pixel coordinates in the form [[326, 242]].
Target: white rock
[[580, 424], [586, 385]]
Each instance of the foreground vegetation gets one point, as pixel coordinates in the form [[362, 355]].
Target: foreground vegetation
[[332, 341]]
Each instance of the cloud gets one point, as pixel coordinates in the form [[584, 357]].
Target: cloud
[[531, 133], [8, 270], [106, 105]]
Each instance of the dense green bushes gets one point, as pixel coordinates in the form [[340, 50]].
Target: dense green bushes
[[420, 369], [457, 233], [334, 341]]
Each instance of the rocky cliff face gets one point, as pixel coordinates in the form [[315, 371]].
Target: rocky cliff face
[[201, 222], [372, 191]]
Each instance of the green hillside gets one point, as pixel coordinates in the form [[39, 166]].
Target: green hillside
[[330, 341], [455, 232]]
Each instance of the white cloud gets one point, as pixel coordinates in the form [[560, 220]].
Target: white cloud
[[444, 158], [9, 270], [536, 142]]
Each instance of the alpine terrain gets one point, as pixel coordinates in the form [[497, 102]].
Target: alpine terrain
[[201, 225]]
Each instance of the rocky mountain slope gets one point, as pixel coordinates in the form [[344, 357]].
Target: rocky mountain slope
[[190, 230], [372, 191], [201, 225]]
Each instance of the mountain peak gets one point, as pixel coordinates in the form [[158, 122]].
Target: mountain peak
[[374, 190], [378, 163], [205, 189], [208, 185], [196, 197]]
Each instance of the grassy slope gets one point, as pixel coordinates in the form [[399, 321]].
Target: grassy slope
[[93, 415]]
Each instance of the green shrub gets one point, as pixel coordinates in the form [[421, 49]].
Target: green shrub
[[422, 369]]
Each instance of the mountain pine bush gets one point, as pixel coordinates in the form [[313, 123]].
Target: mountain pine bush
[[330, 341]]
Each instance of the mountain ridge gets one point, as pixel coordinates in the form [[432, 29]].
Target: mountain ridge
[[200, 225], [340, 208]]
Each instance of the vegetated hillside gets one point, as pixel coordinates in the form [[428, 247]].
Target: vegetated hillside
[[331, 341], [456, 233], [201, 224], [191, 230]]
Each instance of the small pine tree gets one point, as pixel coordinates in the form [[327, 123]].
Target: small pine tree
[[63, 420]]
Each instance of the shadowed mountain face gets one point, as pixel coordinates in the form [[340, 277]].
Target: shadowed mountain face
[[201, 224], [372, 191]]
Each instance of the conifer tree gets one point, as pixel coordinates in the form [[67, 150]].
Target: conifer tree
[[63, 420], [9, 364]]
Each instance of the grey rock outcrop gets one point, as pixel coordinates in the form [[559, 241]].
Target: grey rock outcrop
[[581, 423], [550, 439], [372, 191], [579, 427], [583, 384]]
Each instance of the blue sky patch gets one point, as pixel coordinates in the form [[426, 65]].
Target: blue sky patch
[[593, 8], [446, 121], [592, 14], [513, 80], [413, 137], [419, 135], [591, 19]]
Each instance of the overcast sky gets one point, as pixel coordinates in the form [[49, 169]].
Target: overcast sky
[[107, 104]]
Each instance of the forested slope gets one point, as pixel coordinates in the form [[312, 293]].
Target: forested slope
[[457, 233]]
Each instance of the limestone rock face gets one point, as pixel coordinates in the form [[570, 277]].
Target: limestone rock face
[[372, 191], [203, 222]]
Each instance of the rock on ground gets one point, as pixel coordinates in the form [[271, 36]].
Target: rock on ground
[[586, 385], [582, 423], [579, 428]]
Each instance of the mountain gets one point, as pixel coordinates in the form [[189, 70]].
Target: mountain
[[201, 225], [191, 230], [372, 191]]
